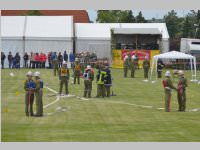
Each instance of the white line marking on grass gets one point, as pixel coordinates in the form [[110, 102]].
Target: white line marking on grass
[[51, 90], [57, 99]]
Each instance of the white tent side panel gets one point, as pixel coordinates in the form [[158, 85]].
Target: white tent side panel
[[46, 46], [101, 47], [165, 45], [14, 46]]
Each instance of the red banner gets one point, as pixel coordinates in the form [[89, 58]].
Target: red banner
[[140, 53]]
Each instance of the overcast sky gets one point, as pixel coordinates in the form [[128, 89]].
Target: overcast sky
[[148, 14]]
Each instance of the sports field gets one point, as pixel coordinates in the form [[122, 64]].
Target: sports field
[[135, 114]]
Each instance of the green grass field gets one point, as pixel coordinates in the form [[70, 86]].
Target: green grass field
[[119, 118]]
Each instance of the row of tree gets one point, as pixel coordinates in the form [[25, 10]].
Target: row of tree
[[186, 27]]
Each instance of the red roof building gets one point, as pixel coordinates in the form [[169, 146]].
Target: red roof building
[[80, 16]]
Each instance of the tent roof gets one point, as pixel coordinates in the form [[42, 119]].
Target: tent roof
[[49, 27], [136, 31], [12, 26], [37, 27], [103, 30], [173, 55], [94, 30]]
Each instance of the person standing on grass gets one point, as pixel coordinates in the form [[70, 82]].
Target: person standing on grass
[[88, 77], [3, 57], [133, 66], [77, 70], [10, 60], [100, 82], [64, 75], [38, 94], [29, 87], [108, 82], [126, 66], [181, 91], [168, 86], [25, 60], [146, 66]]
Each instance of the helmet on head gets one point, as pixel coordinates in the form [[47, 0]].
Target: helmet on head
[[126, 57], [29, 73], [167, 74], [88, 67], [37, 74], [64, 63], [133, 57], [180, 72]]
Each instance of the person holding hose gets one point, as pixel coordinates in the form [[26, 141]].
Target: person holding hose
[[29, 87]]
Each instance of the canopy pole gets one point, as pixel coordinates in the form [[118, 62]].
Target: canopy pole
[[191, 67], [152, 66], [195, 68], [156, 68]]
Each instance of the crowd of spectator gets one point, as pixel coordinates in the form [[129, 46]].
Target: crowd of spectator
[[42, 60]]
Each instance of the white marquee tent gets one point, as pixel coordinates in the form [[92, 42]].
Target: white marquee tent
[[94, 37], [49, 33], [175, 55], [36, 33], [97, 36]]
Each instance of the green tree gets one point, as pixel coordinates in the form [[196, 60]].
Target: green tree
[[34, 13], [140, 18], [115, 16], [186, 28], [198, 25], [172, 22]]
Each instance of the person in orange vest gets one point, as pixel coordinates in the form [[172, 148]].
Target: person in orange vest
[[77, 71]]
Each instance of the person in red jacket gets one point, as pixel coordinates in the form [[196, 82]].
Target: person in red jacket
[[37, 60], [44, 58], [40, 60]]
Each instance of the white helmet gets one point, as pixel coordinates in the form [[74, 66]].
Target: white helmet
[[29, 73], [64, 63], [126, 57], [133, 57], [167, 74], [180, 72], [37, 74], [88, 67]]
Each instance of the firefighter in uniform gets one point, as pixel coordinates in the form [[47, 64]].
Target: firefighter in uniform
[[100, 82], [181, 93], [29, 87], [133, 66], [64, 77], [126, 66], [77, 71], [159, 68], [108, 82], [168, 86], [38, 94], [88, 78], [146, 66]]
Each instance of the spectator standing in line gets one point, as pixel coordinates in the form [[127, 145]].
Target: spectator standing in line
[[49, 60], [17, 60], [65, 56], [60, 60], [3, 57], [72, 59], [25, 60], [37, 60], [10, 59]]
